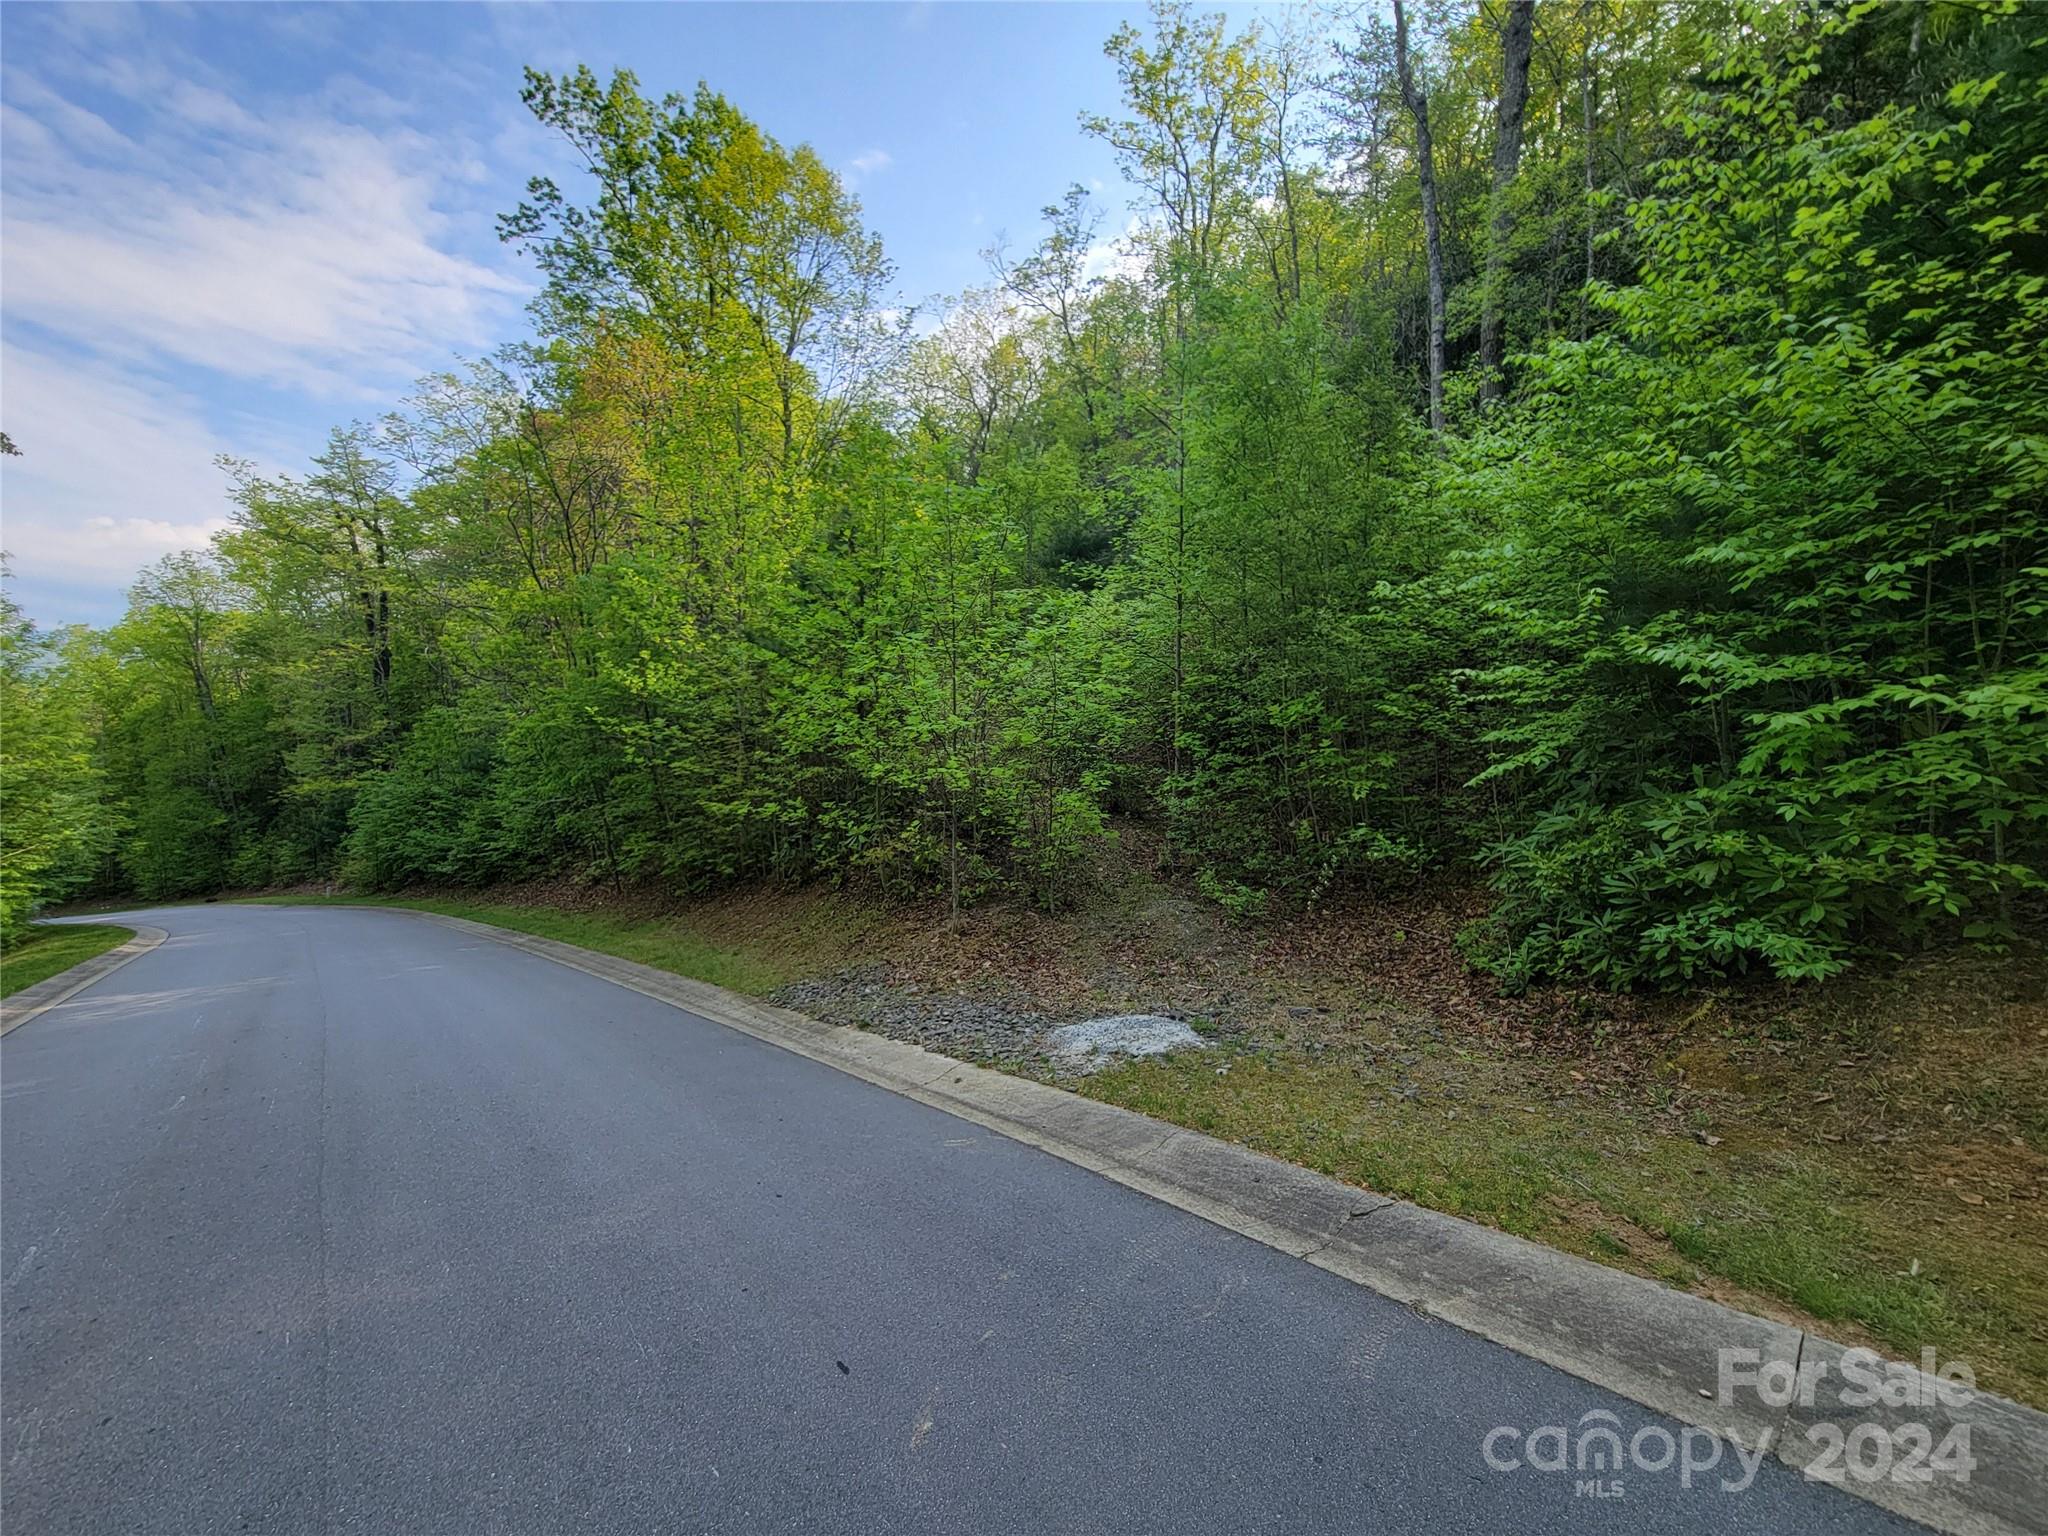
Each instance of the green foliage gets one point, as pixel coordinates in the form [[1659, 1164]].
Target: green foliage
[[1770, 559], [1289, 564], [54, 825], [1716, 643], [434, 817]]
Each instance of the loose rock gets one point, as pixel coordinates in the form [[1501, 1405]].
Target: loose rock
[[1092, 1044]]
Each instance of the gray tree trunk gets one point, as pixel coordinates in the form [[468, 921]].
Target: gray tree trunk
[[1417, 103], [1590, 125], [1516, 38]]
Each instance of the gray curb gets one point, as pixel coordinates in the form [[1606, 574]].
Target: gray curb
[[32, 1002], [1655, 1346]]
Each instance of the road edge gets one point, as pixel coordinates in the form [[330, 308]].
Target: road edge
[[31, 1003], [1653, 1345]]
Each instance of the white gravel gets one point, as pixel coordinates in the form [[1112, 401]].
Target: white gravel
[[1091, 1044]]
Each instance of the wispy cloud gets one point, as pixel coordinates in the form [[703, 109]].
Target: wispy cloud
[[114, 473], [1121, 257], [309, 253], [867, 165], [177, 240]]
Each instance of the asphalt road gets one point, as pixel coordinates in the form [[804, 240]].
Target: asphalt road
[[326, 1220]]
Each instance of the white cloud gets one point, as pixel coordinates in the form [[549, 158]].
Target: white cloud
[[306, 254], [114, 472], [49, 120], [865, 166], [105, 549], [194, 265], [204, 107], [1121, 256]]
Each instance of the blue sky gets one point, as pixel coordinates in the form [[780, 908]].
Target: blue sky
[[227, 229]]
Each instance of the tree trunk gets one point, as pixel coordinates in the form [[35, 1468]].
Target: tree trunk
[[1507, 159], [1432, 234], [1587, 113]]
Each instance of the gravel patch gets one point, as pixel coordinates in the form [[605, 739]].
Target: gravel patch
[[977, 1028], [1000, 1025], [1093, 1044]]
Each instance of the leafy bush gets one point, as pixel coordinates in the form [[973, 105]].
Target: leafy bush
[[1771, 579]]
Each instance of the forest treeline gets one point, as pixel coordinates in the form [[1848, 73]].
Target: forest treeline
[[1599, 443]]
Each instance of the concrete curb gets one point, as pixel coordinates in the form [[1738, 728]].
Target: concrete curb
[[1652, 1345], [32, 1002]]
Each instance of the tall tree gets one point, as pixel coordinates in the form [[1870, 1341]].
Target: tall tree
[[1417, 102], [747, 257], [1192, 137], [1515, 39], [1589, 150]]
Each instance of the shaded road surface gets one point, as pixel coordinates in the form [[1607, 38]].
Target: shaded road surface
[[330, 1220]]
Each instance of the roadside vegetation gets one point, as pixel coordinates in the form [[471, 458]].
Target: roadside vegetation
[[44, 950], [1635, 497], [1530, 544]]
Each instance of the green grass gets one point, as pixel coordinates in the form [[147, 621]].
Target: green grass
[[1802, 1224], [50, 949], [664, 943]]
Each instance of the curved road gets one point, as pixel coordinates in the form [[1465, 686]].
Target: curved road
[[315, 1219]]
